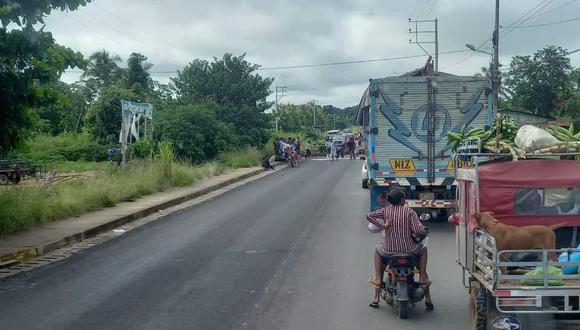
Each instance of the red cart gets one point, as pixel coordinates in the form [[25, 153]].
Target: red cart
[[539, 190]]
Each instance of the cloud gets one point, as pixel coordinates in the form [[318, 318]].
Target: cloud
[[284, 33]]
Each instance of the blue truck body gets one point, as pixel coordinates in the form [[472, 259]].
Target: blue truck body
[[406, 120]]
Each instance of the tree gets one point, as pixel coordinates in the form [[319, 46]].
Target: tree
[[102, 71], [571, 107], [104, 116], [238, 90], [31, 63], [138, 77], [195, 131], [30, 12], [539, 83]]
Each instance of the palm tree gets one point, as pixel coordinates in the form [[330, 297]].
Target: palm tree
[[103, 69]]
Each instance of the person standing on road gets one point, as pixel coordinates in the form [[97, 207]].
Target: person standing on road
[[351, 146], [333, 151], [328, 148], [398, 222]]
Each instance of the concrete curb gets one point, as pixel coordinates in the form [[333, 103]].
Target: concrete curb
[[34, 251]]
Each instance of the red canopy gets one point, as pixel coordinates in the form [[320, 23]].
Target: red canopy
[[499, 181], [532, 173]]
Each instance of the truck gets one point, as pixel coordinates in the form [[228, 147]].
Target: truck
[[519, 289], [405, 120]]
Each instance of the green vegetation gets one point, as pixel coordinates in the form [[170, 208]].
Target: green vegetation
[[241, 158], [22, 207], [544, 83]]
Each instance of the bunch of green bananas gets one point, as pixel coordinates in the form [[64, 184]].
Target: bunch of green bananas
[[562, 134], [453, 138], [508, 127]]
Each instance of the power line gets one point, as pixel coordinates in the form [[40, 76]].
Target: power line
[[430, 10], [321, 64], [420, 12], [556, 8], [90, 28], [415, 8], [522, 19], [536, 12], [355, 62], [128, 23], [116, 29], [547, 23]]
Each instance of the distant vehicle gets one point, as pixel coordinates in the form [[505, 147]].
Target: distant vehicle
[[406, 120]]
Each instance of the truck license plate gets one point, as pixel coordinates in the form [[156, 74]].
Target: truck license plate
[[402, 164]]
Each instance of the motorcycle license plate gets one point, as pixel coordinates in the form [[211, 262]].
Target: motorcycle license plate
[[426, 196]]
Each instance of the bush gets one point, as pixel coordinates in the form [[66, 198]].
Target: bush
[[241, 158], [195, 132], [64, 147], [141, 149]]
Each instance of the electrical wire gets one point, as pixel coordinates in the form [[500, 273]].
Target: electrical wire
[[322, 64], [414, 8], [420, 13], [547, 23], [119, 31], [536, 12], [556, 8], [430, 10], [522, 19], [92, 29], [136, 28]]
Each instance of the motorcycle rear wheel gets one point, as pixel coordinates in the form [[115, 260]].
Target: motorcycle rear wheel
[[403, 310]]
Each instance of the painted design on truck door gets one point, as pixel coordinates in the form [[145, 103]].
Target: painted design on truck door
[[419, 123]]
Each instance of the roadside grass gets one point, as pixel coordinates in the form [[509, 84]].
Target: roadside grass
[[241, 158], [24, 207]]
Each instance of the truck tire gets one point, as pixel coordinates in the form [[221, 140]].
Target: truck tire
[[478, 308], [3, 179], [365, 184]]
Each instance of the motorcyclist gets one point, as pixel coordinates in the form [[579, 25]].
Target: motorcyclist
[[398, 222]]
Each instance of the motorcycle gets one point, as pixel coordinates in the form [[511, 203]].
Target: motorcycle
[[401, 290]]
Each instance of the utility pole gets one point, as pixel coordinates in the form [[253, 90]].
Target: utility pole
[[495, 72], [436, 47], [419, 41], [314, 115], [280, 93]]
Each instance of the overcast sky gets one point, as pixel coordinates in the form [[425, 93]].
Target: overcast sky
[[299, 32]]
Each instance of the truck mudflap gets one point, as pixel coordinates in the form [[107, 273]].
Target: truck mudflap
[[433, 204]]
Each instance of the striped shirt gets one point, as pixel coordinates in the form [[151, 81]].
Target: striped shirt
[[400, 221]]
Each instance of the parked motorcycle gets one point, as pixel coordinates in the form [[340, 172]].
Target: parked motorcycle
[[401, 290]]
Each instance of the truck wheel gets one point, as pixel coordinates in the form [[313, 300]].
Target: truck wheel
[[478, 308], [3, 179], [365, 184], [403, 310]]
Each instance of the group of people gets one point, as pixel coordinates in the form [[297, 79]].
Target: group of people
[[285, 149], [352, 144]]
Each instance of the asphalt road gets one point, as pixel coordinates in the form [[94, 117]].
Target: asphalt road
[[288, 251]]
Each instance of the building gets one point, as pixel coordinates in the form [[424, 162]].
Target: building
[[523, 118]]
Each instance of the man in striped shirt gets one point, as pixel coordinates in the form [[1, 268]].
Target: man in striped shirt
[[399, 222]]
